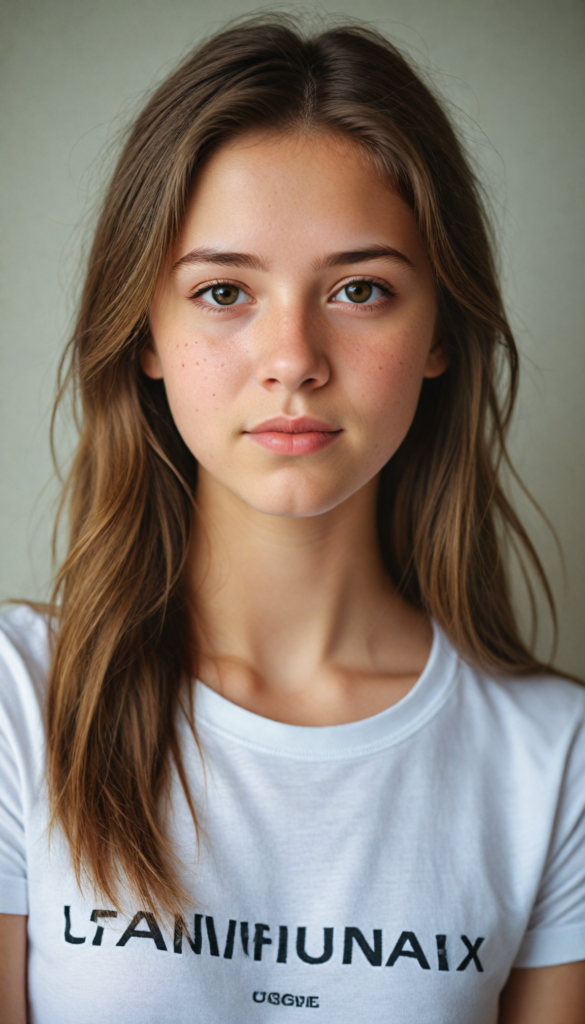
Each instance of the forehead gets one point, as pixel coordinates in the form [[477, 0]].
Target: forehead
[[313, 191]]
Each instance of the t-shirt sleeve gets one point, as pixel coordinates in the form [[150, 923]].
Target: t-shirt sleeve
[[13, 880], [20, 741], [556, 931]]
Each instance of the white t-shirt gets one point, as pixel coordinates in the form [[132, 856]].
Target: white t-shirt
[[389, 870]]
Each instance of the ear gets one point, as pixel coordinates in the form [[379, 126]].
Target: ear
[[437, 359], [149, 361]]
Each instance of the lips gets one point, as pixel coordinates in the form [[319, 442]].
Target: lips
[[303, 435]]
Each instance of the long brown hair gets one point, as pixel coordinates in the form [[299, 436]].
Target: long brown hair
[[123, 645]]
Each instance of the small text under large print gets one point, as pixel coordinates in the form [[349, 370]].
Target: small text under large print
[[276, 999]]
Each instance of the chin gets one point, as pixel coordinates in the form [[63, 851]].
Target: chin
[[289, 493], [296, 503]]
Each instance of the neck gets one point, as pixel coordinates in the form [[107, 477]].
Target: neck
[[283, 599]]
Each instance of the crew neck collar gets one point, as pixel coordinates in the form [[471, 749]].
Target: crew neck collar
[[336, 742]]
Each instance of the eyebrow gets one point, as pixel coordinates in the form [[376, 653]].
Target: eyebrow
[[247, 260], [221, 258], [372, 252]]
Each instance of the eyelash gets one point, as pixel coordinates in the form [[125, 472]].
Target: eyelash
[[206, 287], [385, 288]]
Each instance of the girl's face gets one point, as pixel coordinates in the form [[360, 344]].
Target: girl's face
[[295, 323]]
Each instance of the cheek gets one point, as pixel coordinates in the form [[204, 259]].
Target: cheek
[[201, 383], [385, 377], [199, 371]]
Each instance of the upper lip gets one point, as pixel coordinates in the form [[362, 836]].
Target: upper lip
[[298, 425]]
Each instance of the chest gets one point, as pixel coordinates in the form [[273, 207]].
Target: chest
[[375, 890]]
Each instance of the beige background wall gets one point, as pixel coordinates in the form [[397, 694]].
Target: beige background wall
[[72, 72]]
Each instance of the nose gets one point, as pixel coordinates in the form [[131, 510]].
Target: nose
[[292, 357]]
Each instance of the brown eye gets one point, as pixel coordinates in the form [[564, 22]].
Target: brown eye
[[225, 294], [358, 291]]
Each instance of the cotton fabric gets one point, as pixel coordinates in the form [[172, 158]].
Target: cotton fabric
[[391, 869]]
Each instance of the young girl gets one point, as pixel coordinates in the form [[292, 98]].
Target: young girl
[[288, 363]]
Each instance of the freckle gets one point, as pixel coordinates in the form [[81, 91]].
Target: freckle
[[213, 395], [183, 365]]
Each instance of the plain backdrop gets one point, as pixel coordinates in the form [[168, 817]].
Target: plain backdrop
[[72, 73]]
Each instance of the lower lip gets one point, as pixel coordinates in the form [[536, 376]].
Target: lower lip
[[295, 444]]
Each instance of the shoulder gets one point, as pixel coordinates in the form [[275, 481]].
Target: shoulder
[[531, 725], [539, 704], [26, 630], [24, 664], [542, 704]]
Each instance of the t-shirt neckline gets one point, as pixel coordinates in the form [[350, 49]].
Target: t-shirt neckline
[[333, 742]]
